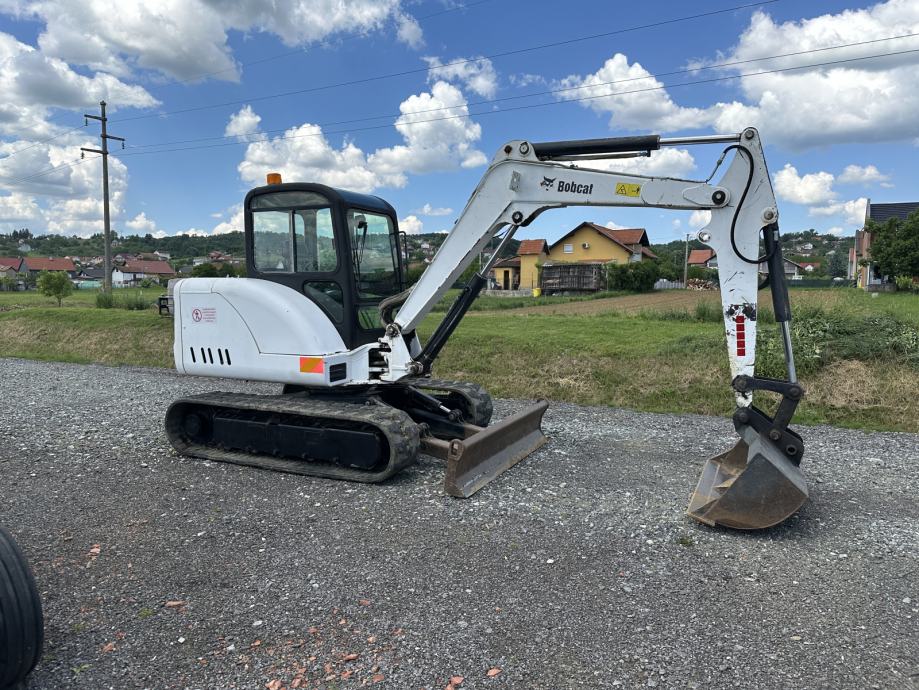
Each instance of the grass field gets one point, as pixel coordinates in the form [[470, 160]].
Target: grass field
[[859, 355]]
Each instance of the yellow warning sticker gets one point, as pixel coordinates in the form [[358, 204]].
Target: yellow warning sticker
[[623, 189]]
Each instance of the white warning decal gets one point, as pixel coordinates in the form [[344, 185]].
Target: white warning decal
[[204, 315]]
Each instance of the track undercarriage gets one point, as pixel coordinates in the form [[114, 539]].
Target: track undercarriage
[[358, 433]]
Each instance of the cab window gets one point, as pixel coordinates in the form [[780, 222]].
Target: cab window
[[293, 239], [374, 247]]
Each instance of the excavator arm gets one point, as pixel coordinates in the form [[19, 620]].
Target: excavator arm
[[758, 482]]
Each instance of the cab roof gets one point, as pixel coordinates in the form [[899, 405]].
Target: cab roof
[[367, 202]]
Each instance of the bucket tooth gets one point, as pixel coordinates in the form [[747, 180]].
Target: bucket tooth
[[751, 486]]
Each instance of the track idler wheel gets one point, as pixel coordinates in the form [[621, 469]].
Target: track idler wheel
[[22, 631], [752, 486]]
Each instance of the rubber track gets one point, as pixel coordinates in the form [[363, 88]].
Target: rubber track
[[397, 427], [477, 397]]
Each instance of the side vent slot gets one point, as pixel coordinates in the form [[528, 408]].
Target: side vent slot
[[210, 355], [227, 351], [203, 356], [338, 372], [220, 355], [193, 360]]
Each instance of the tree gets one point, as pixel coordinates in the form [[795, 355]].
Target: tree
[[836, 265], [638, 276], [895, 246], [205, 271], [55, 284]]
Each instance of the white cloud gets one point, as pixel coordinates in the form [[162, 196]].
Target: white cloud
[[18, 208], [852, 211], [641, 109], [303, 153], [243, 124], [234, 224], [613, 225], [836, 232], [475, 74], [409, 31], [411, 224], [812, 188], [866, 101], [68, 199], [428, 210], [185, 39], [141, 224], [526, 79], [699, 219], [857, 174], [32, 83], [666, 162], [676, 223]]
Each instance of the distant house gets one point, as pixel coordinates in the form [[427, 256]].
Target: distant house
[[507, 273], [33, 265], [702, 258], [91, 273], [163, 256], [866, 275], [593, 243], [793, 271], [133, 272], [587, 243], [7, 271], [810, 266], [11, 262]]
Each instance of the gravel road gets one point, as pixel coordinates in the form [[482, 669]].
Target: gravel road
[[577, 569]]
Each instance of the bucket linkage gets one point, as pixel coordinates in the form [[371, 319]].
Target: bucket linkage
[[758, 483]]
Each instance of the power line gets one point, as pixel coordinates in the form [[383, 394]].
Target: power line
[[455, 63], [534, 105], [299, 51], [720, 65], [46, 171], [541, 105], [39, 142]]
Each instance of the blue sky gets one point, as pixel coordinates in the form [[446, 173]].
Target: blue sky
[[835, 134]]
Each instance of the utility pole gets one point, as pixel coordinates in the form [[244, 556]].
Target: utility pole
[[107, 227], [686, 262]]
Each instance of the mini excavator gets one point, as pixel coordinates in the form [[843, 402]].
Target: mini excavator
[[324, 311]]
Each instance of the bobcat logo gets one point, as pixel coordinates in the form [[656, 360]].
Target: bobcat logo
[[547, 182]]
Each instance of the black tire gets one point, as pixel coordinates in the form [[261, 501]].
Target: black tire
[[22, 630]]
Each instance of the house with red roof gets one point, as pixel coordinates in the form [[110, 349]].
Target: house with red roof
[[133, 272], [33, 265], [703, 258]]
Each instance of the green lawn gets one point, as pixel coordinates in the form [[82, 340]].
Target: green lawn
[[859, 354], [79, 298]]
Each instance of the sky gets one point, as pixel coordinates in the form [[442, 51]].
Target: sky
[[410, 100]]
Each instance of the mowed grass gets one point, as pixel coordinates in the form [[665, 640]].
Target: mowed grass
[[653, 359], [77, 299], [86, 334]]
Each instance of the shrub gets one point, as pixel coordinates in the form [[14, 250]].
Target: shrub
[[635, 277], [135, 301], [105, 300], [55, 284]]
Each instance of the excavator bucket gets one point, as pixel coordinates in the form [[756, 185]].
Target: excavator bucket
[[751, 486], [487, 452]]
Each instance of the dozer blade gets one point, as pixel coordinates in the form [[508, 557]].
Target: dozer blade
[[751, 486], [485, 453]]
